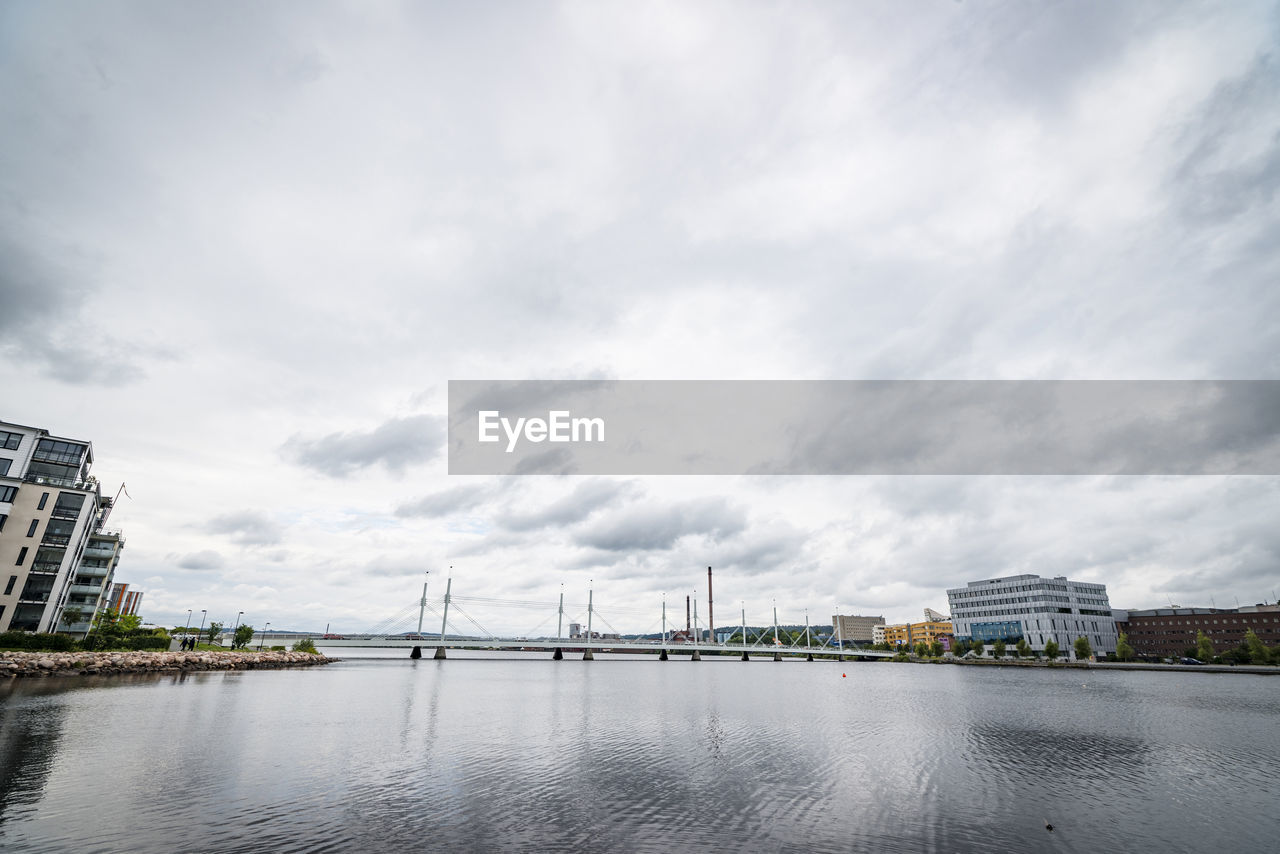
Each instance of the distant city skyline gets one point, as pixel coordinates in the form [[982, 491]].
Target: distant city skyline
[[243, 249]]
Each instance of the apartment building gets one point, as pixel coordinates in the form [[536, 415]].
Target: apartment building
[[1035, 609], [50, 507]]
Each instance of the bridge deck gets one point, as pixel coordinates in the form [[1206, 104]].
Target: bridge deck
[[595, 646]]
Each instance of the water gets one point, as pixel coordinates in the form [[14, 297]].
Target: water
[[503, 754]]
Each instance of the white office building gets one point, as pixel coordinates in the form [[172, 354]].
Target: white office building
[[1035, 609]]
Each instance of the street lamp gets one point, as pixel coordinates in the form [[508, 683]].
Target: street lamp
[[234, 625], [187, 627], [263, 636], [203, 613]]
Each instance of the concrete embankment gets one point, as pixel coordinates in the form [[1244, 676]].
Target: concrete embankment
[[19, 664]]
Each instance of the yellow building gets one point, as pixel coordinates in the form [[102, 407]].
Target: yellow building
[[910, 634]]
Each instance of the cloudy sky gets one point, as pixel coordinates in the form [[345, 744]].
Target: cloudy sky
[[244, 246]]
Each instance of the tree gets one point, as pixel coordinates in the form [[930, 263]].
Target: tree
[[935, 649], [998, 648], [1204, 646], [921, 649], [1023, 648], [1124, 650], [1258, 652], [305, 645], [1051, 650], [243, 635], [71, 616], [130, 622], [1083, 650], [976, 646], [213, 630]]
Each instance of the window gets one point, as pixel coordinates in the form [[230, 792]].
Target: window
[[8, 588], [10, 441], [31, 529], [22, 555], [44, 499], [4, 517], [5, 462], [8, 492]]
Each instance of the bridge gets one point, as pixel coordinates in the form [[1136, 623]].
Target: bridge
[[766, 642]]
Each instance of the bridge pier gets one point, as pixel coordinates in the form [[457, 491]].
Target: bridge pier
[[587, 656], [745, 657], [662, 656], [777, 656], [808, 657], [416, 654], [439, 656], [697, 656], [558, 655]]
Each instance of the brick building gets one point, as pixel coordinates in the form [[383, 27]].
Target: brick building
[[1170, 631]]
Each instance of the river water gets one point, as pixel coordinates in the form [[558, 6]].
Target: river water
[[508, 754]]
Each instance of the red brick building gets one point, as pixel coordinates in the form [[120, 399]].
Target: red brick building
[[1170, 631]]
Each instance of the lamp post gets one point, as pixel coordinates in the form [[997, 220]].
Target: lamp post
[[203, 614], [263, 636], [187, 627], [235, 624]]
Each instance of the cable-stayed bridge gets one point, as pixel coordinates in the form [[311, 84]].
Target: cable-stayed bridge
[[460, 627]]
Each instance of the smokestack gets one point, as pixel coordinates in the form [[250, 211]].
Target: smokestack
[[711, 614], [688, 623]]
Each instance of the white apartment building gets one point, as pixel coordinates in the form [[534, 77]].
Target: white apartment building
[[1035, 609], [50, 508]]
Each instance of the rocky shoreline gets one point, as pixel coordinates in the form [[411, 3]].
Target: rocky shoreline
[[38, 664]]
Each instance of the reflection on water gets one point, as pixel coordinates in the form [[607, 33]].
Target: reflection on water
[[531, 755]]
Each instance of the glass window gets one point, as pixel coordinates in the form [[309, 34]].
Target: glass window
[[22, 555], [8, 588], [8, 492], [5, 462], [31, 529], [44, 499], [10, 441]]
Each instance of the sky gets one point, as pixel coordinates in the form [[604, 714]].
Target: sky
[[245, 246]]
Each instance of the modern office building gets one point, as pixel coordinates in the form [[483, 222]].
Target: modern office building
[[1168, 632], [853, 629], [1036, 609], [50, 507]]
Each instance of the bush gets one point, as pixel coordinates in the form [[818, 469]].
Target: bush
[[306, 645], [22, 640], [277, 649], [147, 642]]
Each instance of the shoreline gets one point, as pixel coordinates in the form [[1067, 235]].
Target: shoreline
[[21, 664]]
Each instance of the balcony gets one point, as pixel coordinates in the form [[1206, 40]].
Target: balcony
[[93, 571], [85, 590], [100, 553], [49, 568]]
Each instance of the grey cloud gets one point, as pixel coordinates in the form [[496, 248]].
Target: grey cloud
[[659, 527], [43, 301], [386, 566], [206, 559], [396, 444], [587, 498], [247, 528], [446, 502]]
